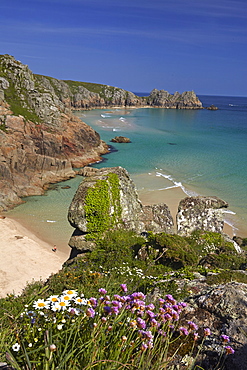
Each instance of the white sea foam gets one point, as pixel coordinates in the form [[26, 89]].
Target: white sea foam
[[116, 129], [229, 212], [122, 119], [50, 221], [105, 115], [177, 184]]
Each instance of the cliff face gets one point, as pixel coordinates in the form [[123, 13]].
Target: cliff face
[[41, 140]]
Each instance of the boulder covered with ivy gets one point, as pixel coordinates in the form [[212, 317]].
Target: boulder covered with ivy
[[108, 200]]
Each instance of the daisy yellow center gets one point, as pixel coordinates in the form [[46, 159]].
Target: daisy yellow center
[[54, 299], [79, 300], [62, 304], [41, 304], [70, 292], [66, 298]]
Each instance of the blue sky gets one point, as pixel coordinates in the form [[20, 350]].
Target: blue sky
[[138, 45]]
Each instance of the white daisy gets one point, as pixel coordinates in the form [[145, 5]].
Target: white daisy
[[40, 304], [53, 298], [71, 293], [16, 347], [80, 301], [60, 306]]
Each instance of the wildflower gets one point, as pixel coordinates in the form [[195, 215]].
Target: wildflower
[[35, 340], [60, 306], [30, 345], [124, 288], [150, 307], [90, 312], [102, 291], [162, 332], [52, 347], [107, 310], [161, 301], [144, 346], [80, 301], [95, 325], [154, 323], [40, 304], [133, 323], [73, 311], [229, 350], [124, 338], [53, 298], [16, 347], [141, 323], [31, 314], [225, 338], [170, 299], [196, 335], [115, 310], [167, 317], [103, 319], [192, 325], [71, 293], [207, 332], [59, 326], [93, 302], [183, 331]]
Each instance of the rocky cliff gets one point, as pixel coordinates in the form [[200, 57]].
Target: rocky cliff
[[41, 140]]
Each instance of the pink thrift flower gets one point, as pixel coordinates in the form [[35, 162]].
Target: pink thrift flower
[[229, 350], [124, 288], [207, 332]]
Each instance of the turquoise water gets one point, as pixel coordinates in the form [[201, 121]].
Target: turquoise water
[[201, 151]]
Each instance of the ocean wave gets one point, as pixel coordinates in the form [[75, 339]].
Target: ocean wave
[[177, 184], [122, 119], [50, 221], [116, 129], [105, 115], [229, 212]]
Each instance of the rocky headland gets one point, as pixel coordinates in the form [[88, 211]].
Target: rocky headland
[[41, 140]]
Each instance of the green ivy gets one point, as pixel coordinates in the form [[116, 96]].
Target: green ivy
[[99, 200]]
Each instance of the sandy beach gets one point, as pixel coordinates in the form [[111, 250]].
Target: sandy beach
[[24, 258]]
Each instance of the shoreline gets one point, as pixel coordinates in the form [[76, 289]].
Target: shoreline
[[24, 258]]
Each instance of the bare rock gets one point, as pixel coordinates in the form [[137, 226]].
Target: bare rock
[[200, 213], [124, 209], [120, 139]]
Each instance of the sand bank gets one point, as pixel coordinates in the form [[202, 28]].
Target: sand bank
[[24, 258]]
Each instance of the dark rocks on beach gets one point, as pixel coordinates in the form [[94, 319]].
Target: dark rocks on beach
[[120, 139]]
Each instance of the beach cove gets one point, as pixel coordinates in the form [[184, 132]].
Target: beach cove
[[164, 160]]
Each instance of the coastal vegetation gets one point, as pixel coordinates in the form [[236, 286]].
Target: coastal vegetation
[[121, 306]]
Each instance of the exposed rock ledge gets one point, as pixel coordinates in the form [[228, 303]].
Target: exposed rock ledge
[[107, 199]]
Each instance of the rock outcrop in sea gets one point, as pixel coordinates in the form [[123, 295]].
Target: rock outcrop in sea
[[41, 140]]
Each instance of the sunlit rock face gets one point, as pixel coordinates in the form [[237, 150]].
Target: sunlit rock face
[[200, 213]]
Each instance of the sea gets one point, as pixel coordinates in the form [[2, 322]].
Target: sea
[[202, 152]]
